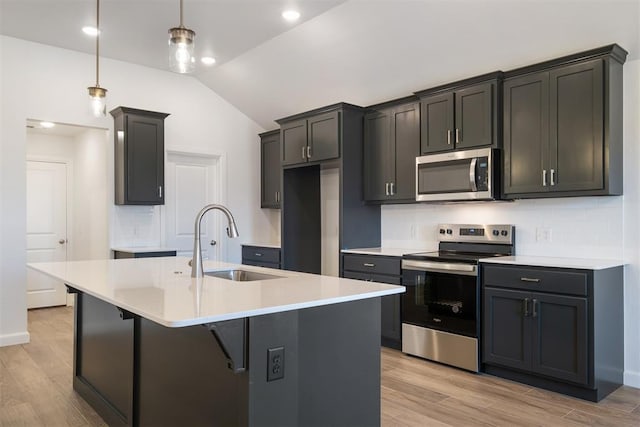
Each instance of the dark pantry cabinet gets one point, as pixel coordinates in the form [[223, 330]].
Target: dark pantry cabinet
[[563, 126], [270, 169], [310, 139], [383, 269], [391, 145], [139, 156], [460, 115], [556, 328]]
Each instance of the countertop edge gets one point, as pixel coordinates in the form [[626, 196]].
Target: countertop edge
[[555, 262]]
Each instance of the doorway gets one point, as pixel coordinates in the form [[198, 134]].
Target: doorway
[[196, 178], [67, 208]]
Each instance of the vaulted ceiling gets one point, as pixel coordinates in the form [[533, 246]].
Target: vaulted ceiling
[[357, 51]]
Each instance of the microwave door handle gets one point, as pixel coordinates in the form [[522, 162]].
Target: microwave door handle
[[472, 174]]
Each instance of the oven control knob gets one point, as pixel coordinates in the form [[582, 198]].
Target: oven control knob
[[449, 231], [442, 231], [504, 232], [496, 233]]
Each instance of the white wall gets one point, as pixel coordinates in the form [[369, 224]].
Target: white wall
[[48, 83], [587, 227]]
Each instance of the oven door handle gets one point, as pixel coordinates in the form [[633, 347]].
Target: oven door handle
[[441, 267]]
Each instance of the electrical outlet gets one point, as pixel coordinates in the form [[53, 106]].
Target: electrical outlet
[[275, 363], [543, 234], [413, 231]]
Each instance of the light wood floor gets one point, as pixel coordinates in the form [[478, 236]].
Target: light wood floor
[[36, 390]]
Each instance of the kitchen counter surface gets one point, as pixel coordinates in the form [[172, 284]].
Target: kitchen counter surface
[[385, 251], [539, 261], [162, 290], [143, 249], [263, 245]]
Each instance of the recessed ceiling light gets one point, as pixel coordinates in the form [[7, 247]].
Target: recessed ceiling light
[[208, 60], [90, 31], [291, 15], [47, 125]]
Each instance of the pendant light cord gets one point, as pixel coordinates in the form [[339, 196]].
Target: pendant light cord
[[98, 43], [181, 11]]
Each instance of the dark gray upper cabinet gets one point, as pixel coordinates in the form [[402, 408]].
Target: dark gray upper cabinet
[[555, 328], [460, 115], [270, 169], [310, 139], [563, 126], [391, 145], [139, 156]]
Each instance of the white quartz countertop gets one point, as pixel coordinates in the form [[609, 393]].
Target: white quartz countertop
[[540, 261], [162, 289], [263, 245], [385, 251], [142, 249]]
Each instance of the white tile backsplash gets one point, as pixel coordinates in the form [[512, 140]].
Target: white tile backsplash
[[136, 226]]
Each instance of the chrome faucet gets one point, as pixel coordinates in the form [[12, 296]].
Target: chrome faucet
[[232, 231]]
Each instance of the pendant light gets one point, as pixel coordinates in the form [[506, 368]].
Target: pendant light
[[181, 46], [97, 94]]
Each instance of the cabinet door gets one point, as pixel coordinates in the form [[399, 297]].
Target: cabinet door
[[390, 317], [145, 160], [436, 127], [405, 143], [376, 155], [324, 136], [474, 116], [526, 133], [270, 171], [560, 337], [506, 337], [293, 140], [576, 136]]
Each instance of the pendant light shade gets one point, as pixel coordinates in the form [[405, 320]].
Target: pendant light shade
[[97, 94], [181, 47]]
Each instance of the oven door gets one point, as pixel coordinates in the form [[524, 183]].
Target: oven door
[[442, 296], [465, 175]]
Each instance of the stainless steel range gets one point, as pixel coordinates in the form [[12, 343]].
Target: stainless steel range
[[441, 308]]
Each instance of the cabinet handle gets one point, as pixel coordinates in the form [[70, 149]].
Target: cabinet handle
[[457, 136], [160, 191], [534, 304], [369, 264], [308, 151], [258, 254], [392, 191], [449, 136], [553, 177], [276, 196], [525, 305], [529, 279], [386, 188], [303, 153], [544, 177]]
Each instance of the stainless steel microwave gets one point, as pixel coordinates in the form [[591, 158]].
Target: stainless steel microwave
[[458, 175]]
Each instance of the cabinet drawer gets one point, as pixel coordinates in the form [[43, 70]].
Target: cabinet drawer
[[572, 282], [373, 264], [392, 280], [262, 254]]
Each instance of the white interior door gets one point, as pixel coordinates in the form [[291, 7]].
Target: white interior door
[[191, 182], [46, 229]]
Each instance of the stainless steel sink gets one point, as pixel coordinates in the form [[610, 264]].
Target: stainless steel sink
[[241, 275]]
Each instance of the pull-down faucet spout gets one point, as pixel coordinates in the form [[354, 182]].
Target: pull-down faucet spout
[[232, 231]]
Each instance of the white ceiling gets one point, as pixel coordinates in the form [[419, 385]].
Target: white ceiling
[[357, 51]]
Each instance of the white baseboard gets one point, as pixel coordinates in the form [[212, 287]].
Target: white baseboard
[[14, 339], [632, 379]]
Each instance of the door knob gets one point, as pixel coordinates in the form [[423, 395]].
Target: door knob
[[62, 241], [213, 243]]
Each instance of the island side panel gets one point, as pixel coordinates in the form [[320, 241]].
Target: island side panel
[[339, 364], [103, 359], [184, 379]]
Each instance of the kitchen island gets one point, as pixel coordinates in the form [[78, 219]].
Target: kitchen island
[[153, 346]]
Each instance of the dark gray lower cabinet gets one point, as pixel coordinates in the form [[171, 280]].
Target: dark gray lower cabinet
[[383, 269], [135, 372], [150, 254], [555, 328], [261, 256]]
